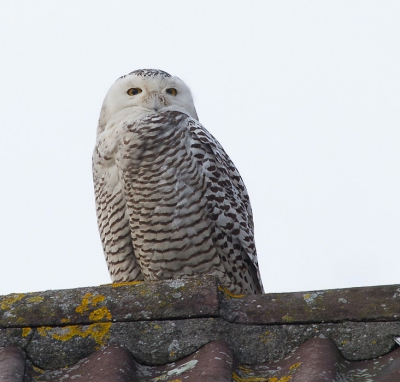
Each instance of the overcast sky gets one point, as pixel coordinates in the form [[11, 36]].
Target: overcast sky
[[303, 95]]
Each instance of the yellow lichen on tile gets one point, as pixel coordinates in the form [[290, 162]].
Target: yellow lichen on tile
[[230, 294], [99, 332], [83, 307], [35, 299], [264, 338], [116, 285], [26, 332], [236, 378], [99, 314], [37, 369], [98, 298], [245, 369], [287, 318], [69, 332], [65, 320], [89, 299], [295, 366], [42, 330], [8, 301], [285, 378]]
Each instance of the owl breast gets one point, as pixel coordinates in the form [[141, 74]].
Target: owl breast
[[171, 229]]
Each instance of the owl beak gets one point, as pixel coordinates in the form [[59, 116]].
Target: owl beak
[[156, 101]]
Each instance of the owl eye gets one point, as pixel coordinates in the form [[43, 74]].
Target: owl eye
[[172, 91], [134, 91]]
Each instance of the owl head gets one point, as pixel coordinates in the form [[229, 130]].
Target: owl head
[[143, 92]]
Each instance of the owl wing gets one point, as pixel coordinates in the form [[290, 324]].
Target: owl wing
[[113, 220], [228, 203]]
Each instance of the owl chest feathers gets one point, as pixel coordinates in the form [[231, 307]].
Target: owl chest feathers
[[143, 151], [165, 194]]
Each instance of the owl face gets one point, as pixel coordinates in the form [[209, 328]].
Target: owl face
[[138, 95]]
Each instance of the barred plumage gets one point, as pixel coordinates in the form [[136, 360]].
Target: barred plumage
[[170, 202]]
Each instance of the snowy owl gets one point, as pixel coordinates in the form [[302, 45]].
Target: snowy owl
[[170, 203]]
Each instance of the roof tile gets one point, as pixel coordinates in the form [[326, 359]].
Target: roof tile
[[191, 330]]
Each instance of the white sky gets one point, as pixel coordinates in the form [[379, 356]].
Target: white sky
[[303, 95]]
